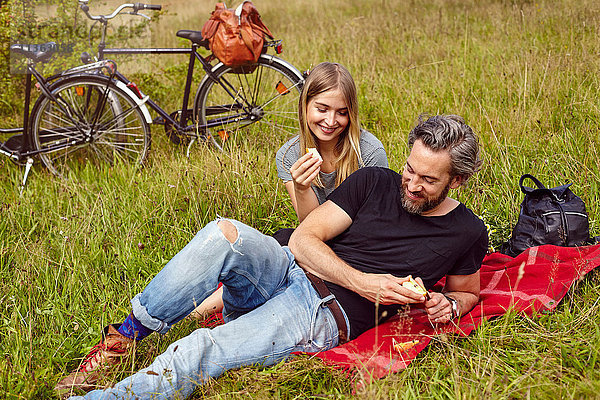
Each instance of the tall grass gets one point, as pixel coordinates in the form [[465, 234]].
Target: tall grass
[[524, 74]]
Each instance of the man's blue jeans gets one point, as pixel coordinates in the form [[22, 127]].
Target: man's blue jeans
[[271, 310]]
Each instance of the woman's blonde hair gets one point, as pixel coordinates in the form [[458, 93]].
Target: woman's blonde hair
[[330, 76]]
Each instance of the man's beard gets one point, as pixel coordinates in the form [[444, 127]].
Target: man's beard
[[419, 208]]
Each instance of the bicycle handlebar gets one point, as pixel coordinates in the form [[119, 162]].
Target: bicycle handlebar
[[83, 4]]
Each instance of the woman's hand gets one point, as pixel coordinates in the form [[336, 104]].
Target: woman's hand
[[304, 171]]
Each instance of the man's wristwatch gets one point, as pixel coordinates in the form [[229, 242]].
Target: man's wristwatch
[[454, 305]]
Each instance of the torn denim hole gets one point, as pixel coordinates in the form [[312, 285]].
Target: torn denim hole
[[238, 238]]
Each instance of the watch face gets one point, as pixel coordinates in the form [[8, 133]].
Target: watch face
[[455, 308]]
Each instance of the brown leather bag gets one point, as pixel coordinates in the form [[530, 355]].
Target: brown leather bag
[[236, 37]]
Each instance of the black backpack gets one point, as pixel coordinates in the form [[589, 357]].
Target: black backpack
[[548, 216]]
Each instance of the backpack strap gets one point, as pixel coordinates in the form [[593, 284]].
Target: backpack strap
[[249, 21], [528, 190], [253, 17]]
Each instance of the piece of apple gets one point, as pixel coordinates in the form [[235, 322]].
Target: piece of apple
[[314, 152], [401, 347], [411, 284]]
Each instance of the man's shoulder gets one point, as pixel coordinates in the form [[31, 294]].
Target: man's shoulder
[[469, 213], [468, 221], [373, 176], [374, 171], [363, 183]]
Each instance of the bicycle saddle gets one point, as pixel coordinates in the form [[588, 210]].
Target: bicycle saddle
[[35, 52], [194, 36]]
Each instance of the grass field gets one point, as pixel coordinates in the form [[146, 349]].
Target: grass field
[[524, 75]]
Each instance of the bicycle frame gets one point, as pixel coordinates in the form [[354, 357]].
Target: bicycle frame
[[25, 142], [25, 150], [182, 125], [193, 56]]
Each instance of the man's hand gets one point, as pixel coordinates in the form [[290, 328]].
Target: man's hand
[[438, 308], [308, 246], [387, 289], [462, 288]]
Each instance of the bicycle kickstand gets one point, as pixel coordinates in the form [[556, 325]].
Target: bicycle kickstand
[[28, 166], [187, 153]]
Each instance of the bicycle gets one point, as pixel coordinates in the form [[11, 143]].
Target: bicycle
[[227, 99], [80, 116]]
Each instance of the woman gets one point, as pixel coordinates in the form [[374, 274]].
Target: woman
[[328, 115]]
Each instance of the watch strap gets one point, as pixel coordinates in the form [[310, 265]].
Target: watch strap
[[454, 306]]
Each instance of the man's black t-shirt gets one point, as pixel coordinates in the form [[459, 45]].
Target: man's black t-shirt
[[384, 238]]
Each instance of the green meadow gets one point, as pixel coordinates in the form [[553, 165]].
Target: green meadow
[[523, 74]]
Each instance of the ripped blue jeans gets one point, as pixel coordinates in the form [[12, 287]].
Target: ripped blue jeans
[[271, 310]]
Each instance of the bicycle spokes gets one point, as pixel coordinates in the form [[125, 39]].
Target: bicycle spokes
[[92, 121], [262, 99]]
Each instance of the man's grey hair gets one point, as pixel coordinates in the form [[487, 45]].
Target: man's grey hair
[[451, 133]]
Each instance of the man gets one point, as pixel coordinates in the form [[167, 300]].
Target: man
[[376, 231]]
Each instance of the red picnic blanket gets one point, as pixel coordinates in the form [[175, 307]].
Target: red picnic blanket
[[536, 280]]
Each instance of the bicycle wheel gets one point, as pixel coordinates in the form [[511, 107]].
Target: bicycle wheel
[[93, 121], [261, 97]]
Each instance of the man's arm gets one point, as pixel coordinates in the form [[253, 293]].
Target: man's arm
[[308, 246], [462, 288]]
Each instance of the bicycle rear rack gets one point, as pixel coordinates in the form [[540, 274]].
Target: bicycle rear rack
[[108, 65]]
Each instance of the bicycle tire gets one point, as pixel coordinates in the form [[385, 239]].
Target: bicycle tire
[[263, 96], [93, 108]]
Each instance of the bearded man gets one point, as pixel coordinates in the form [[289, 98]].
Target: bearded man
[[382, 228], [343, 272]]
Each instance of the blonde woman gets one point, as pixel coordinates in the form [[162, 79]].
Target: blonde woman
[[328, 114]]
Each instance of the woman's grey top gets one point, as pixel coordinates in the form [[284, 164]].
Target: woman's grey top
[[371, 150]]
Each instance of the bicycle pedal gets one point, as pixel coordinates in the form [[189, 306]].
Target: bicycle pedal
[[158, 121]]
